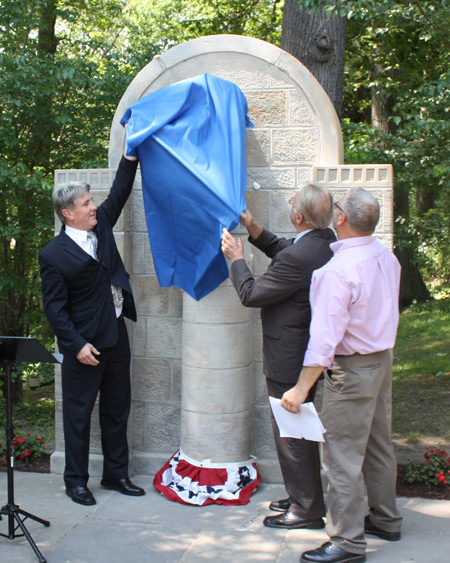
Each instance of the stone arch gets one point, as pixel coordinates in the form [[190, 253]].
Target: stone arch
[[256, 67], [296, 130], [297, 139]]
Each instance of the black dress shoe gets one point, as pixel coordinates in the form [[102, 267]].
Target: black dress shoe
[[81, 495], [282, 505], [290, 521], [330, 553], [372, 530], [124, 486]]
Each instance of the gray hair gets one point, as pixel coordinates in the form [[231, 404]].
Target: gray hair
[[65, 196], [315, 203], [362, 210]]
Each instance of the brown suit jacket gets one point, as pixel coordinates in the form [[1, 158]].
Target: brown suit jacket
[[283, 295]]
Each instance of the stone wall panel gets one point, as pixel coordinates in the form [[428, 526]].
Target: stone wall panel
[[163, 337], [267, 108], [162, 428], [152, 379], [258, 147], [270, 178], [150, 298], [294, 146]]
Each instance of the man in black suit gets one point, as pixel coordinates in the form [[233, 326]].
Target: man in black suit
[[87, 294], [283, 295]]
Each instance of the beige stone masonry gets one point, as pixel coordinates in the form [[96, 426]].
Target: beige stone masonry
[[197, 367]]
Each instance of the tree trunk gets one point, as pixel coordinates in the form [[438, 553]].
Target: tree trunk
[[41, 141], [381, 102], [425, 199], [47, 40], [318, 41], [412, 286]]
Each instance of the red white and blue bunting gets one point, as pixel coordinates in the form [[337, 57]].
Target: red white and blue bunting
[[188, 481]]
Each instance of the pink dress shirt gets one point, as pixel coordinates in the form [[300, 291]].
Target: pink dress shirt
[[354, 302]]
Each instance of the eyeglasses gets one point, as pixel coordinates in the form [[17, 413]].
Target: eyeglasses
[[338, 207]]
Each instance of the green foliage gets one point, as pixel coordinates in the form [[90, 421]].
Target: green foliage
[[434, 471], [25, 448], [61, 74], [64, 67], [45, 372], [65, 64], [396, 110], [398, 51], [35, 414], [165, 23]]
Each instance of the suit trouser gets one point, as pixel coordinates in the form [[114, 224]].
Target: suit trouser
[[358, 448], [299, 463], [80, 387]]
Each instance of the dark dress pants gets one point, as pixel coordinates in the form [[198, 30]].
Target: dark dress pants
[[80, 386], [300, 464]]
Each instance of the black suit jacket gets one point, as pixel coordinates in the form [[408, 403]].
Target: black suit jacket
[[77, 289], [283, 295]]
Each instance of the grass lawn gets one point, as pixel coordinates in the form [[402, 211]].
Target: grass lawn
[[421, 380]]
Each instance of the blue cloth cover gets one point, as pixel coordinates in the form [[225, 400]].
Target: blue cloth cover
[[190, 140]]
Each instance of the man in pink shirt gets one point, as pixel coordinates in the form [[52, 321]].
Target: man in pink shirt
[[354, 301]]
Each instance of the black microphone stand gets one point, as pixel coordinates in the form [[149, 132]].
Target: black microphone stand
[[30, 350]]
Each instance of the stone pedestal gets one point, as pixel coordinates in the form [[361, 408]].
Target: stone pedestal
[[217, 385]]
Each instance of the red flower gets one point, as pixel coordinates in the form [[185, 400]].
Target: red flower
[[28, 453], [21, 440], [21, 456]]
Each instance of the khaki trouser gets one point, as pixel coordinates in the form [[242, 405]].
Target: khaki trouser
[[358, 448]]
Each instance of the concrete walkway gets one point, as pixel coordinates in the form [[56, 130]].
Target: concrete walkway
[[151, 529]]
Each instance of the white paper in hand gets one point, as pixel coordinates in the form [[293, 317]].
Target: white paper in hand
[[304, 424]]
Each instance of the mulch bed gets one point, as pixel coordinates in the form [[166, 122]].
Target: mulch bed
[[418, 490], [41, 465]]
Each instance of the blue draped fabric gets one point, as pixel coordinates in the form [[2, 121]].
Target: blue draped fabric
[[190, 140]]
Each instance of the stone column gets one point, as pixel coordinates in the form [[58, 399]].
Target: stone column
[[217, 383]]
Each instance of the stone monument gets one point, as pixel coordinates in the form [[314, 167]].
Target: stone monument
[[197, 366]]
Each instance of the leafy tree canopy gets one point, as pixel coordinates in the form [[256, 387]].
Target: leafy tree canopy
[[65, 65], [397, 59]]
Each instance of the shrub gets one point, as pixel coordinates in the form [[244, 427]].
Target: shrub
[[24, 448], [435, 470]]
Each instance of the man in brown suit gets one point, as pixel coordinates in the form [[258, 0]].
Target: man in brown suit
[[283, 295]]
